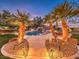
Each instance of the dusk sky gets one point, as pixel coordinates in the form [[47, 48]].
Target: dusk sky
[[34, 7]]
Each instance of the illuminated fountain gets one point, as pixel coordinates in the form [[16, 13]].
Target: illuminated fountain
[[62, 48], [17, 48]]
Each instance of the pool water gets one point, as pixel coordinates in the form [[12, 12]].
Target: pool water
[[33, 33]]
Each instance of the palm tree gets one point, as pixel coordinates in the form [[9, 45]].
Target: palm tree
[[5, 15], [23, 17], [50, 19], [62, 12], [7, 18]]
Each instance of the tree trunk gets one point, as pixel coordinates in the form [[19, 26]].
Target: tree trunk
[[64, 30], [51, 27], [52, 30], [22, 28], [56, 24]]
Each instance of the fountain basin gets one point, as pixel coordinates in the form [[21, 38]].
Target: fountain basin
[[14, 50], [57, 50]]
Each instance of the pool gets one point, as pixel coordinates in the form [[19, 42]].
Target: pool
[[33, 33]]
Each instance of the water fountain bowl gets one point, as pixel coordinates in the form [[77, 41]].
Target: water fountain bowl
[[15, 50], [57, 50]]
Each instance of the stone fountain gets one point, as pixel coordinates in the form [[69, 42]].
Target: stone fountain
[[17, 48], [64, 47]]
